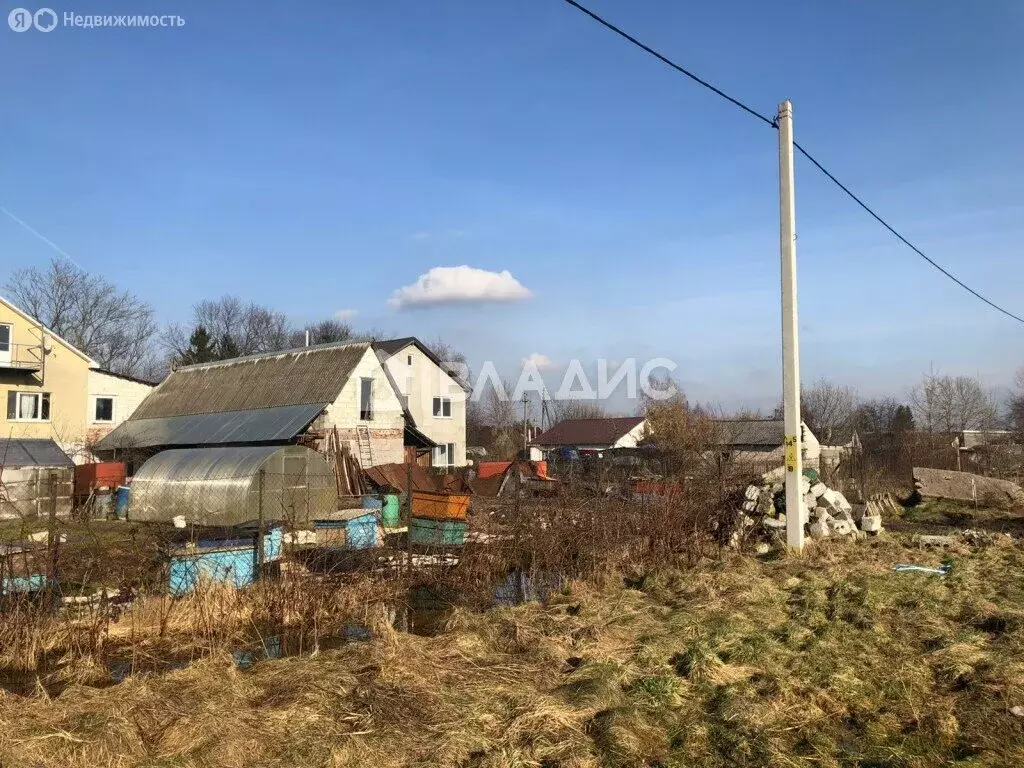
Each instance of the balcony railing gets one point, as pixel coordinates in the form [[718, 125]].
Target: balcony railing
[[21, 357]]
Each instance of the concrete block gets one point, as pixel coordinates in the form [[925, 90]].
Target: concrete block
[[841, 527], [810, 500], [775, 522], [818, 489], [752, 493], [871, 524], [843, 503], [805, 485], [749, 505], [762, 549], [820, 530]]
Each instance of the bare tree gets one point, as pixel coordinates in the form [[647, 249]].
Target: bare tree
[[826, 408], [452, 360], [251, 327], [324, 332], [953, 404], [112, 326], [682, 433], [565, 410], [1015, 405]]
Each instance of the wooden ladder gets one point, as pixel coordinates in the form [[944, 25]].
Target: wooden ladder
[[365, 446]]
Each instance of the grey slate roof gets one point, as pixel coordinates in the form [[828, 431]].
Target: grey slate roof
[[264, 398], [23, 452], [769, 433], [293, 377], [262, 425]]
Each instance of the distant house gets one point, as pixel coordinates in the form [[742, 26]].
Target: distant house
[[593, 434], [435, 399], [52, 390], [762, 441], [113, 397], [277, 398]]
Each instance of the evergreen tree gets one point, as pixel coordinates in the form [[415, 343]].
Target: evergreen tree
[[902, 420], [201, 348], [227, 348]]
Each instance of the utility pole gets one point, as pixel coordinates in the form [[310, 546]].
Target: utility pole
[[526, 423], [790, 332]]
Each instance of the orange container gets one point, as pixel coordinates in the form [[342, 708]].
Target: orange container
[[487, 469], [439, 506], [105, 474]]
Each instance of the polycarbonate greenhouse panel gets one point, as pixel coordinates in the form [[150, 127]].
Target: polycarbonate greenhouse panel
[[223, 486]]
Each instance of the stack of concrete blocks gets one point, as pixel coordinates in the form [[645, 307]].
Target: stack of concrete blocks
[[824, 511]]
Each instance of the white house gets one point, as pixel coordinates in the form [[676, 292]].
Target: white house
[[275, 398], [113, 398], [436, 400], [594, 434]]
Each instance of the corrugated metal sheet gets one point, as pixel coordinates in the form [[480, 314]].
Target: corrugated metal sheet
[[22, 452], [294, 377], [261, 425], [221, 486]]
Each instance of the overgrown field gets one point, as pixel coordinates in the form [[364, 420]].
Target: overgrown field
[[830, 659]]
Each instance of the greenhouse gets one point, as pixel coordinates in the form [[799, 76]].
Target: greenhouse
[[229, 486]]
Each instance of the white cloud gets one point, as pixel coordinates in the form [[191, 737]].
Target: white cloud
[[540, 361], [463, 284], [346, 314]]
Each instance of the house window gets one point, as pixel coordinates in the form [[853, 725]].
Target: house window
[[28, 406], [103, 410], [442, 407], [408, 359], [365, 399], [444, 455], [5, 343]]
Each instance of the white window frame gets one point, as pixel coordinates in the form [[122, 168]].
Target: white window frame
[[39, 395], [113, 409], [437, 407], [6, 355], [446, 450], [367, 413]]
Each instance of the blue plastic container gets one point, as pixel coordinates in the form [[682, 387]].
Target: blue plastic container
[[372, 502], [358, 530], [228, 561], [437, 532], [121, 502]]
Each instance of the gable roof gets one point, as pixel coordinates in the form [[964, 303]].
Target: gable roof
[[24, 452], [589, 431], [271, 397], [303, 376], [765, 432], [18, 310], [125, 376], [387, 348]]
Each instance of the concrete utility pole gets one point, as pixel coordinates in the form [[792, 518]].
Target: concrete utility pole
[[790, 333], [526, 423]]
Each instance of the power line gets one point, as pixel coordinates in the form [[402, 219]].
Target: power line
[[669, 62], [754, 113]]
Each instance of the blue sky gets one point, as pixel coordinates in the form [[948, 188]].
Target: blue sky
[[318, 157]]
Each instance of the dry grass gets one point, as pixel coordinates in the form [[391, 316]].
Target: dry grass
[[826, 660]]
